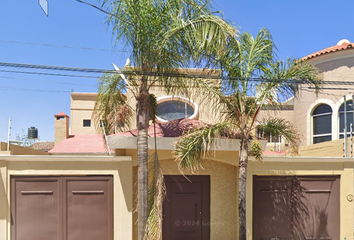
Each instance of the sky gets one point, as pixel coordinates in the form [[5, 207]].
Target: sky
[[76, 35]]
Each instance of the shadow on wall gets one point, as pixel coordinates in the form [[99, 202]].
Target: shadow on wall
[[332, 65], [293, 208]]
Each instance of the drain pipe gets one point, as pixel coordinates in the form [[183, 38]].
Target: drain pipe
[[345, 127], [351, 140]]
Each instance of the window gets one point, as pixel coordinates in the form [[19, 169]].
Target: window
[[349, 118], [322, 123], [87, 123], [175, 107], [170, 110]]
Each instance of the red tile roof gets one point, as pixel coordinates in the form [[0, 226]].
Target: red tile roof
[[174, 128], [94, 143], [82, 143], [61, 114], [341, 45]]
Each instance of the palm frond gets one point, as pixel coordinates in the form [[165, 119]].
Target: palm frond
[[111, 106], [281, 127], [192, 147]]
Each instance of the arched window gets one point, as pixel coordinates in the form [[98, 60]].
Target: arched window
[[322, 124], [349, 118]]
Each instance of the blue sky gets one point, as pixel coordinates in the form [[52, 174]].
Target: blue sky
[[298, 27]]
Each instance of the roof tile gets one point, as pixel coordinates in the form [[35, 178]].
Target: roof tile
[[342, 46]]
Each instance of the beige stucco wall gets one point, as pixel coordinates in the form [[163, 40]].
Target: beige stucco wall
[[286, 113], [223, 196], [208, 111], [82, 105], [19, 150], [307, 166], [119, 167]]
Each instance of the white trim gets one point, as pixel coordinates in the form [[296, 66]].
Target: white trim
[[171, 97], [339, 103], [309, 124]]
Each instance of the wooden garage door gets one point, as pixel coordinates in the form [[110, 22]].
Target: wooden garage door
[[293, 208], [186, 210], [61, 208]]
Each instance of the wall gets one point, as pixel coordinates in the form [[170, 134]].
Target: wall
[[19, 150], [307, 166], [207, 112], [119, 167], [82, 105], [223, 196]]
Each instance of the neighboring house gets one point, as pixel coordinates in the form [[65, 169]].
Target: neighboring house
[[319, 117], [92, 195], [43, 146]]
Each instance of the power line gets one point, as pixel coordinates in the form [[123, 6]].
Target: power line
[[154, 74], [60, 46], [66, 83], [51, 74], [57, 68], [31, 90]]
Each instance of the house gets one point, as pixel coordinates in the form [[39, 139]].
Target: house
[[90, 190]]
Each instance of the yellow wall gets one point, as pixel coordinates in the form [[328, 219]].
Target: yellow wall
[[223, 196], [82, 105], [310, 167], [119, 167], [19, 150]]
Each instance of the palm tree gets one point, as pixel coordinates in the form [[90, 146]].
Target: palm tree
[[254, 80], [163, 37], [279, 127]]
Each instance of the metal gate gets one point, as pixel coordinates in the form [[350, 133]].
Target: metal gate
[[61, 208], [301, 207]]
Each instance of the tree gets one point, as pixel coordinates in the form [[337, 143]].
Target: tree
[[163, 37], [255, 79], [279, 127]]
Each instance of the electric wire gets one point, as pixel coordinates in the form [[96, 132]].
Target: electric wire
[[60, 46], [50, 74], [155, 74], [46, 80], [31, 90]]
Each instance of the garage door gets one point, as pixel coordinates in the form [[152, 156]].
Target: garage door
[[293, 208], [61, 208]]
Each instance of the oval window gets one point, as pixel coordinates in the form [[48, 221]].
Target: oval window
[[174, 108]]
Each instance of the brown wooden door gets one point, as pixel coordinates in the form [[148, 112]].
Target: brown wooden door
[[61, 208], [186, 209], [293, 208]]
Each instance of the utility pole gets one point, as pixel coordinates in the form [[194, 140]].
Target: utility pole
[[8, 135]]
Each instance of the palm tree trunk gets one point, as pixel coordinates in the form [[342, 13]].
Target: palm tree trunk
[[242, 175], [142, 145]]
